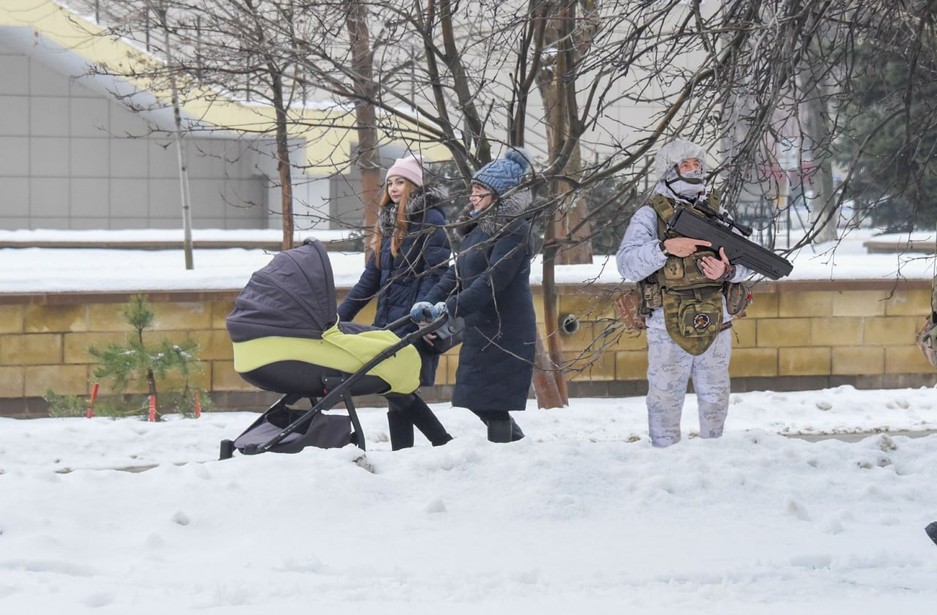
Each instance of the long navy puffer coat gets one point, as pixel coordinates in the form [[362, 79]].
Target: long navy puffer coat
[[489, 286], [398, 281]]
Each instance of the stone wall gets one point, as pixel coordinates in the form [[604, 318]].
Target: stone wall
[[796, 335]]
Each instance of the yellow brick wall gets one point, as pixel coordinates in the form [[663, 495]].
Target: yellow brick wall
[[793, 329]]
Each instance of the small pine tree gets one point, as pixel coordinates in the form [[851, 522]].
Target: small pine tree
[[136, 361]]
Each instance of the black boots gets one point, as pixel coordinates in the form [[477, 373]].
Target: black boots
[[401, 430], [408, 411], [499, 430], [501, 427], [424, 420], [516, 433]]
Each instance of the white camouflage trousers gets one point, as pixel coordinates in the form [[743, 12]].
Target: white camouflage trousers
[[669, 370]]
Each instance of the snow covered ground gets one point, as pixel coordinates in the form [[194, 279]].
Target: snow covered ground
[[49, 269], [581, 516]]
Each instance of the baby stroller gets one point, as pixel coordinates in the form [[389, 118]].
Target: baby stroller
[[286, 339]]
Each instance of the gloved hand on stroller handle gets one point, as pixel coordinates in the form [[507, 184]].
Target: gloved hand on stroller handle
[[423, 311]]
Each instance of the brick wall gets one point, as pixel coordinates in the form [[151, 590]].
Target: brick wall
[[796, 335]]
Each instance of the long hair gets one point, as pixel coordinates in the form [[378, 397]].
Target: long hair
[[401, 222]]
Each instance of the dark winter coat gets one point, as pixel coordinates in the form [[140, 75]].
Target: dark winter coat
[[489, 286], [399, 281]]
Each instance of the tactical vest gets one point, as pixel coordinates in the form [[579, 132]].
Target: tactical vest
[[692, 303]]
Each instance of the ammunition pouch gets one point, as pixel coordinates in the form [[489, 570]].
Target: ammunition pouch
[[693, 317], [649, 293], [634, 305], [629, 311], [685, 273], [738, 297]]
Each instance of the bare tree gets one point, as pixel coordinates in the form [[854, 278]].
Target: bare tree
[[362, 77], [588, 87], [180, 147], [222, 51], [745, 78]]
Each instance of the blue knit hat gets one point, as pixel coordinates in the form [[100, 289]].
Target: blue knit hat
[[505, 173]]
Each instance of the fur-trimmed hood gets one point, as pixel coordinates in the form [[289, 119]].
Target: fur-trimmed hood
[[496, 216], [420, 200]]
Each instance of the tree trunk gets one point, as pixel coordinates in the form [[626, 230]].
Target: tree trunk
[[180, 148], [572, 222], [150, 380], [557, 85], [283, 161], [151, 388], [567, 226], [822, 216], [474, 134], [545, 389], [367, 155], [818, 134], [551, 325]]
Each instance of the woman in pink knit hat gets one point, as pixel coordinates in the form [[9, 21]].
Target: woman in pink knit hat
[[409, 253]]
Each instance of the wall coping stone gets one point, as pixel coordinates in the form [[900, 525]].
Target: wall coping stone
[[767, 286]]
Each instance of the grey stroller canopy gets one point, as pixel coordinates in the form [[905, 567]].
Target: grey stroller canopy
[[293, 296]]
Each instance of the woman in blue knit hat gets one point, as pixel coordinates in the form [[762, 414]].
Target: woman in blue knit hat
[[489, 286]]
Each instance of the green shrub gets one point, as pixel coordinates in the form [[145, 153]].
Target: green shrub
[[163, 364]]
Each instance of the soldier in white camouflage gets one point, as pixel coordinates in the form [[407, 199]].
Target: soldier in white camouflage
[[682, 286]]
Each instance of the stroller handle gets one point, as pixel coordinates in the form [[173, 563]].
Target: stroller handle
[[423, 329]]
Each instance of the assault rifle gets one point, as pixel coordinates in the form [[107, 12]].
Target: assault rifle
[[700, 221]]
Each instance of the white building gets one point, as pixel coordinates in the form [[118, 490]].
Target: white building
[[73, 155]]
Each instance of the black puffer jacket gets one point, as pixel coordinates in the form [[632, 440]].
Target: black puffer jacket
[[489, 285]]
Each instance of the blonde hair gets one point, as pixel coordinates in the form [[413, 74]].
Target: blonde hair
[[401, 222]]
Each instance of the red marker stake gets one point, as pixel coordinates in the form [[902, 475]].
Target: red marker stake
[[94, 396]]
